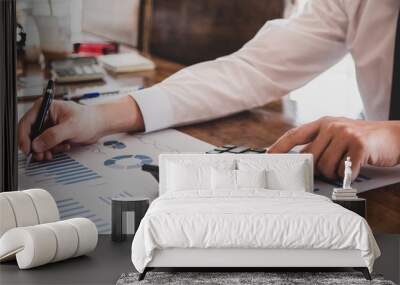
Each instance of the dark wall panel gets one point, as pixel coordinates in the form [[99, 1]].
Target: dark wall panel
[[191, 31], [8, 113]]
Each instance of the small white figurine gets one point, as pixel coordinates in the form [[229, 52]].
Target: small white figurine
[[346, 192], [347, 174]]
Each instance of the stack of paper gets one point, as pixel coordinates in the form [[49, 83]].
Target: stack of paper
[[344, 194], [126, 62]]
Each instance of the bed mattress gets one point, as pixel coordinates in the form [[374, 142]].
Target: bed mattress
[[250, 219]]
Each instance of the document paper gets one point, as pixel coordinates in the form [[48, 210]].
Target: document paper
[[84, 180]]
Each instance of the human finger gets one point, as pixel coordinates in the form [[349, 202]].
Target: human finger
[[63, 147], [25, 126], [39, 156], [48, 155], [331, 158], [52, 137], [318, 146], [296, 136]]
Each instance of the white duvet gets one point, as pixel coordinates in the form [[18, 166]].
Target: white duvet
[[250, 219]]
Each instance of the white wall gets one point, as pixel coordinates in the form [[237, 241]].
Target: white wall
[[56, 24], [50, 24], [114, 19]]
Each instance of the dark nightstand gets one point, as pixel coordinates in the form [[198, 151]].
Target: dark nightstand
[[357, 205], [120, 205]]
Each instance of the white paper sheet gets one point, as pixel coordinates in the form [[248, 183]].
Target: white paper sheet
[[84, 180], [370, 178]]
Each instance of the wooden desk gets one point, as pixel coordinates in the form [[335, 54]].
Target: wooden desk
[[260, 128], [146, 78]]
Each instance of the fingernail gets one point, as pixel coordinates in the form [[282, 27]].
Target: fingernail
[[38, 145]]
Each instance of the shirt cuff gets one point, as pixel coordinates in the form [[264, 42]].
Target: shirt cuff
[[155, 107]]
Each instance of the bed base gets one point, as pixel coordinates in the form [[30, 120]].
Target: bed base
[[143, 274], [241, 259], [363, 270]]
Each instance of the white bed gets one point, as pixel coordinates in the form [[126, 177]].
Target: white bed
[[197, 224]]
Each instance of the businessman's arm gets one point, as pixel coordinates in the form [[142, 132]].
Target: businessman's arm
[[283, 56]]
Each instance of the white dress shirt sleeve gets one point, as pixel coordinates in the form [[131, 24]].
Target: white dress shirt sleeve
[[284, 55]]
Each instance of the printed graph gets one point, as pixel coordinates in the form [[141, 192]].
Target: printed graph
[[156, 144], [128, 161], [70, 208], [114, 144], [107, 199], [62, 170]]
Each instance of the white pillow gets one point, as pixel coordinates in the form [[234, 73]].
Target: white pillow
[[182, 177], [193, 174], [282, 174], [223, 179], [251, 178], [295, 180]]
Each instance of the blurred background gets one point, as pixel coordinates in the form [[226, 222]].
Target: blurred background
[[184, 32]]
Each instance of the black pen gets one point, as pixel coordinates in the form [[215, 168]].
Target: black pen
[[41, 118]]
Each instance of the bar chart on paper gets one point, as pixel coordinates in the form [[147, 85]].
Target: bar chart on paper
[[84, 180], [63, 170], [108, 199], [70, 208]]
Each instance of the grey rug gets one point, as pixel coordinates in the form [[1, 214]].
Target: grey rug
[[232, 278]]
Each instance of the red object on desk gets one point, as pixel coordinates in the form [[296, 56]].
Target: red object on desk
[[96, 48]]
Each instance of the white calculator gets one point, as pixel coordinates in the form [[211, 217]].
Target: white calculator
[[76, 69]]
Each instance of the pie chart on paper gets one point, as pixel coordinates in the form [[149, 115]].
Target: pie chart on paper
[[128, 161], [114, 144]]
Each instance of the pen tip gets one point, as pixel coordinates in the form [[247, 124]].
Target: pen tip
[[28, 160]]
